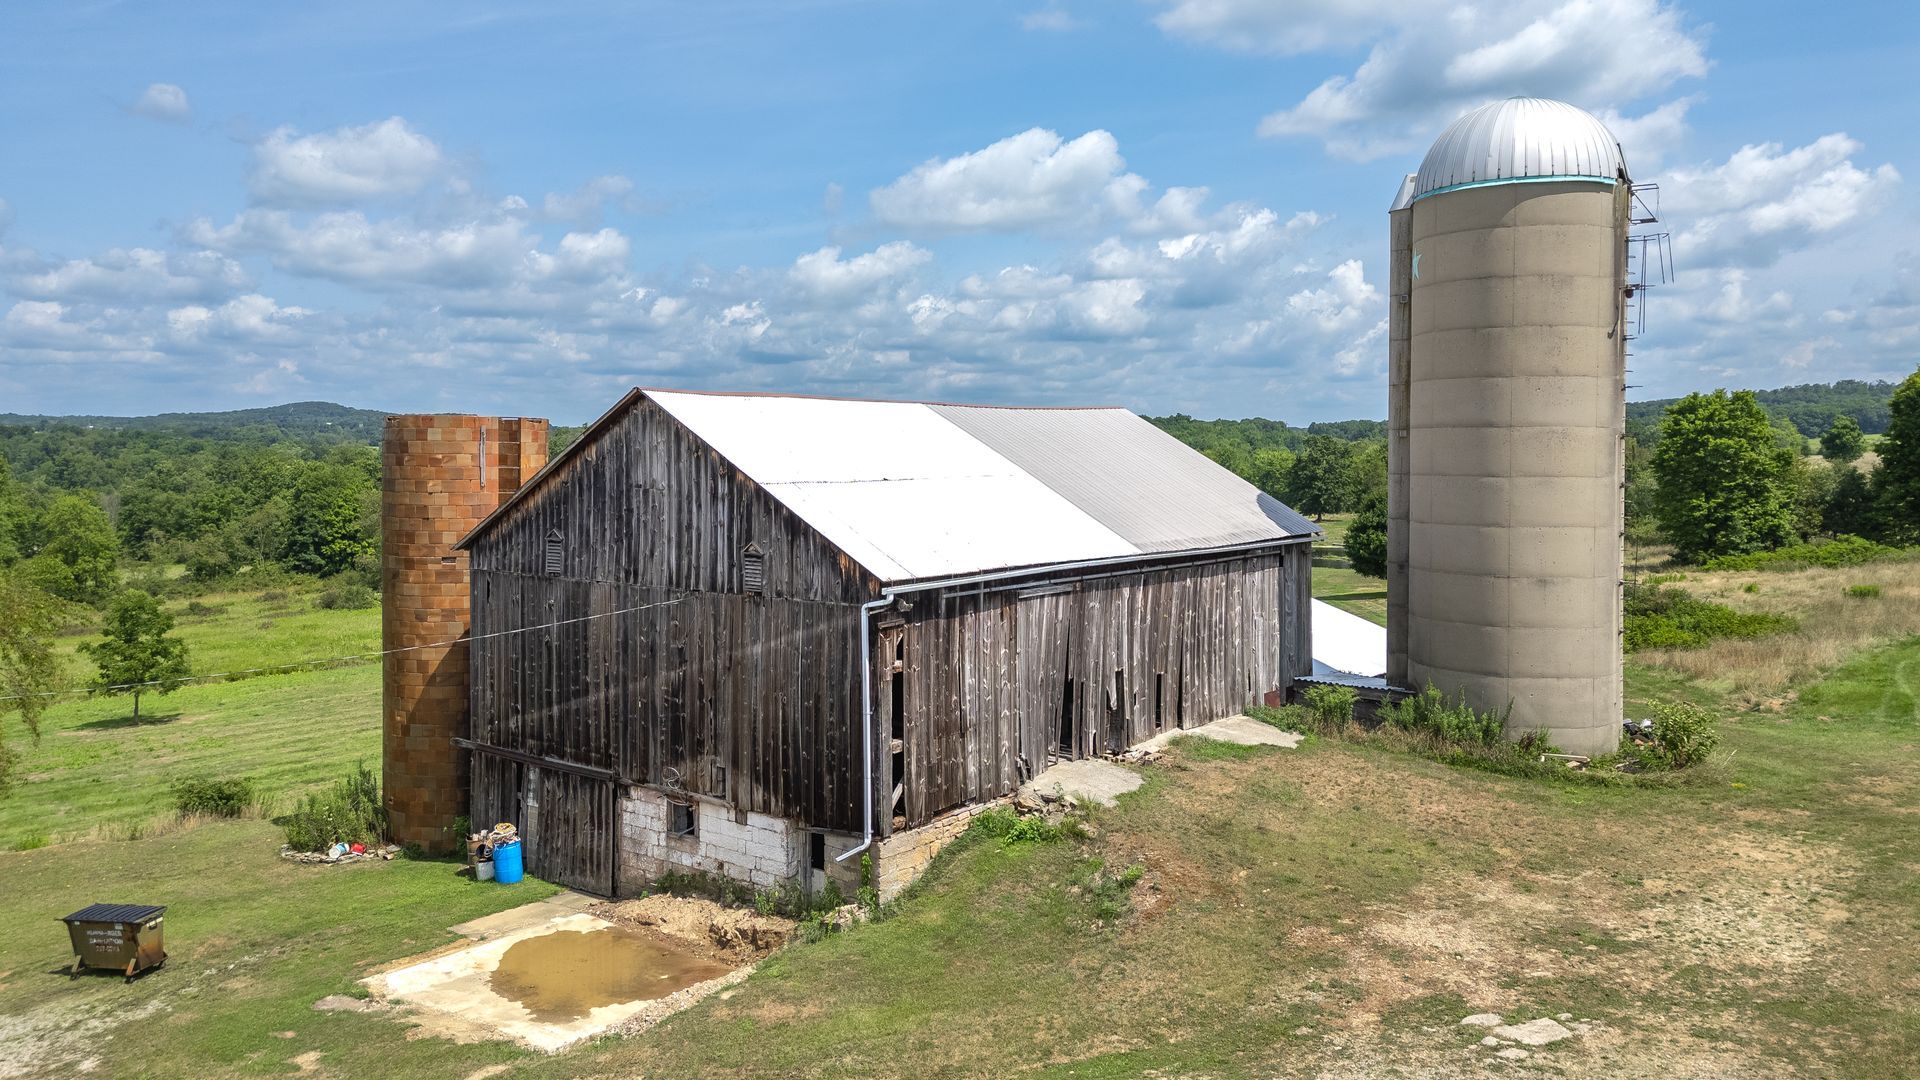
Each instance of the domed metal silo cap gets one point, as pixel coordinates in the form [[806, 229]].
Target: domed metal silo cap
[[1517, 140]]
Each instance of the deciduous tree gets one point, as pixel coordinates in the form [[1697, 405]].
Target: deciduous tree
[[1726, 485], [135, 653], [1317, 483], [30, 620], [1843, 442], [1897, 480]]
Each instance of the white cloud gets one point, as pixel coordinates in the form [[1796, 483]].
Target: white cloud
[[586, 203], [1287, 29], [348, 246], [276, 379], [164, 101], [1049, 19], [1650, 138], [1427, 64], [252, 317], [136, 273], [1033, 179], [824, 275], [344, 165], [1765, 200]]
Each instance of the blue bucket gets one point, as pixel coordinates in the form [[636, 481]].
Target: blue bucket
[[506, 863]]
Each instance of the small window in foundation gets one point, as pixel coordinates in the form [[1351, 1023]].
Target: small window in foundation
[[819, 852], [681, 821]]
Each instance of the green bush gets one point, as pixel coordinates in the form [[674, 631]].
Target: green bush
[[1010, 828], [220, 798], [1863, 592], [1430, 712], [1683, 734], [350, 812], [348, 596], [1658, 618], [1332, 706], [1839, 551]]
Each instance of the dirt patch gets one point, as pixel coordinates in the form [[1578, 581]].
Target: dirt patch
[[723, 933]]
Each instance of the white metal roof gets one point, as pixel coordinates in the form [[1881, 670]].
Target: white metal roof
[[1520, 139], [1346, 644], [914, 491]]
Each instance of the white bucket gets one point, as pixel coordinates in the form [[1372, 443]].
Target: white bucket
[[483, 870]]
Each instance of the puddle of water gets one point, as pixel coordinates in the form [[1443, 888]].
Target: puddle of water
[[562, 975]]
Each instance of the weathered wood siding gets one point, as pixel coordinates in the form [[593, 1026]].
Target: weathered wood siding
[[993, 684], [658, 667], [653, 665]]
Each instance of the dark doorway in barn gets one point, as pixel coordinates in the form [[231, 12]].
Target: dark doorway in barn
[[1066, 715]]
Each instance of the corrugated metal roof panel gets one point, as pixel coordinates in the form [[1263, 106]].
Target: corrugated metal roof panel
[[1147, 486], [894, 485], [1520, 139]]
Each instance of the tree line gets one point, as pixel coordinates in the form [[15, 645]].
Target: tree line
[[1323, 468], [1719, 480]]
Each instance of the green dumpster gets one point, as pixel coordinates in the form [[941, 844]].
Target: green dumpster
[[128, 938]]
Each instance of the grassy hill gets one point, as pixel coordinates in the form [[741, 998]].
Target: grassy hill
[[1812, 407], [296, 420]]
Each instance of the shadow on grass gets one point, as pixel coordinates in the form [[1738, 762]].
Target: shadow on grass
[[1378, 594], [117, 723]]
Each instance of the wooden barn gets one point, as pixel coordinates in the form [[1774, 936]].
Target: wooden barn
[[779, 631]]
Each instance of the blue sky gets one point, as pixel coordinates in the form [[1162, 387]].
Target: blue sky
[[1167, 204]]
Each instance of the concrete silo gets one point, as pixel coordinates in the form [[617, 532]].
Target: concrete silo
[[1506, 408]]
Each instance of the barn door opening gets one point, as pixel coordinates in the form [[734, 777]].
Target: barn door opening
[[893, 653], [568, 822]]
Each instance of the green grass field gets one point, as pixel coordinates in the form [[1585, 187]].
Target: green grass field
[[1337, 584], [1336, 908], [95, 771]]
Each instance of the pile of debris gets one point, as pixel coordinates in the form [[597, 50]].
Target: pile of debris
[[726, 933], [341, 853]]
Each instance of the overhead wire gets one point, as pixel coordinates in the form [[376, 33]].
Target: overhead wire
[[289, 668]]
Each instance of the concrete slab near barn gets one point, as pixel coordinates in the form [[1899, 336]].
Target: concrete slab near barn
[[1101, 782]]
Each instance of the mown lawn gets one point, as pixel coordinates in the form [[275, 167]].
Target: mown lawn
[[96, 771], [1337, 584], [237, 631], [1336, 908], [253, 941]]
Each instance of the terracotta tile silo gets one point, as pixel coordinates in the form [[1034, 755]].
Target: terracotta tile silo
[[440, 475]]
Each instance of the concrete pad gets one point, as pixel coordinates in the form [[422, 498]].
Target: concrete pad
[[538, 913], [1100, 782], [453, 994], [1240, 730]]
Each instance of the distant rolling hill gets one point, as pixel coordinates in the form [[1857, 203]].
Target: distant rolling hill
[[298, 420], [1812, 408]]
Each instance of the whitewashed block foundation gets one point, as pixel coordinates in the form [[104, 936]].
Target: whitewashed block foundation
[[766, 852], [763, 852]]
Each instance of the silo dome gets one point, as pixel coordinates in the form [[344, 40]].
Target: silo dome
[[1517, 140]]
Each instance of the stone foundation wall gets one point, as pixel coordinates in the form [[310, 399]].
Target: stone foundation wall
[[904, 856]]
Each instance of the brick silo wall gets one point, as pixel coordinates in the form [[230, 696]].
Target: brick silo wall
[[439, 476]]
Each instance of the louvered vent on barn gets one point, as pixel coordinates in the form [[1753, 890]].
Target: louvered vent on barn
[[556, 552], [753, 570]]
